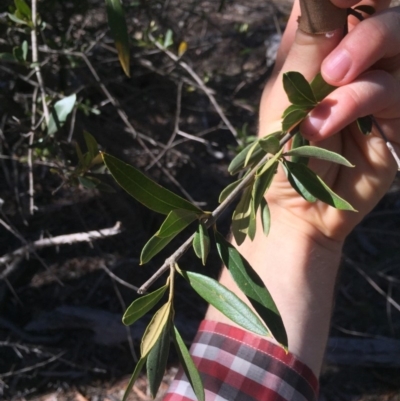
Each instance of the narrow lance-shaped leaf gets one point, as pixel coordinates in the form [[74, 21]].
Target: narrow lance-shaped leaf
[[262, 184], [91, 144], [241, 216], [153, 246], [298, 185], [157, 360], [88, 182], [250, 152], [253, 287], [145, 190], [265, 217], [59, 114], [142, 305], [252, 228], [293, 116], [319, 153], [23, 9], [316, 187], [228, 190], [298, 141], [154, 329], [238, 163], [201, 243], [225, 301], [188, 366], [119, 31], [365, 124], [176, 221], [298, 89], [321, 88], [134, 377]]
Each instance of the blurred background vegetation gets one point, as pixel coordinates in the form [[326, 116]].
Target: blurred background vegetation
[[197, 71]]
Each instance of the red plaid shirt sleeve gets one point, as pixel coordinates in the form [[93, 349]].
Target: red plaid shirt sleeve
[[236, 365]]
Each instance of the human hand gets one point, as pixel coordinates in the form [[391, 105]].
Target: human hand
[[370, 86]]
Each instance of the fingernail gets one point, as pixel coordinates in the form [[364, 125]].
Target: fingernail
[[337, 65]]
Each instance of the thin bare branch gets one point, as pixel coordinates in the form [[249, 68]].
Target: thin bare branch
[[55, 241], [200, 82], [214, 217]]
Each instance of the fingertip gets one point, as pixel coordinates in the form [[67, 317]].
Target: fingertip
[[314, 125], [335, 68]]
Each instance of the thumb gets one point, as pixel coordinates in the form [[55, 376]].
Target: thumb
[[299, 51]]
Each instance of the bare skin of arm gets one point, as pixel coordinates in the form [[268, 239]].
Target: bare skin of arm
[[299, 260]]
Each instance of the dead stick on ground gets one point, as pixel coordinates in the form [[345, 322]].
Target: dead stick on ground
[[60, 240]]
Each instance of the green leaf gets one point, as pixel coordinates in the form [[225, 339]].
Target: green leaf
[[201, 243], [241, 217], [250, 152], [293, 116], [188, 366], [321, 88], [298, 185], [228, 190], [225, 301], [154, 329], [88, 182], [269, 163], [298, 89], [176, 221], [365, 124], [8, 57], [157, 360], [18, 54], [153, 246], [319, 153], [24, 48], [119, 31], [265, 217], [168, 40], [16, 19], [144, 190], [238, 163], [298, 141], [315, 186], [134, 377], [23, 9], [366, 9], [262, 184], [59, 114], [269, 144], [253, 287], [252, 228], [91, 144], [142, 305]]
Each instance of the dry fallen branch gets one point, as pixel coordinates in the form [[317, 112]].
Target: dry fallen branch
[[55, 241]]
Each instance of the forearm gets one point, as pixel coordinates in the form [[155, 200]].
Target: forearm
[[300, 272]]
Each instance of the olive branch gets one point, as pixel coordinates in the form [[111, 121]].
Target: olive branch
[[257, 164]]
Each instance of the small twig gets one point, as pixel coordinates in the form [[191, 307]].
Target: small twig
[[30, 368], [116, 278], [214, 217], [60, 240], [176, 128], [35, 59], [199, 81], [373, 284], [388, 143]]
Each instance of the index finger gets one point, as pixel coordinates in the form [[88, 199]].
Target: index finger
[[374, 39]]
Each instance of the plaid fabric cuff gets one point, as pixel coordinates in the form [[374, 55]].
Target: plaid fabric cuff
[[236, 365]]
